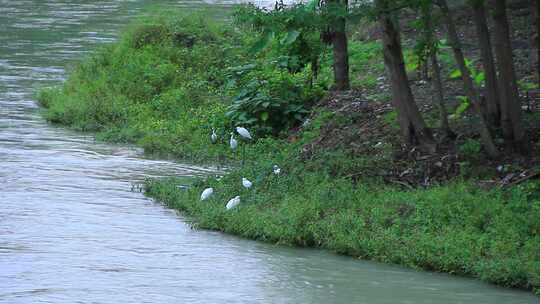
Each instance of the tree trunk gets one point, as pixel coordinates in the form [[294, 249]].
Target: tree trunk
[[513, 132], [468, 84], [532, 35], [431, 55], [314, 71], [492, 95], [538, 39], [340, 50], [341, 61], [413, 128], [438, 88]]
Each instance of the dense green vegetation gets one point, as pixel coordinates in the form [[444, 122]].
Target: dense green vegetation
[[160, 86], [172, 78]]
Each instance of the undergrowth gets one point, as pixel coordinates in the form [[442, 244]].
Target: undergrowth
[[160, 86]]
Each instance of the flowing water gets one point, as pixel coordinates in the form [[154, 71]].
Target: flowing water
[[73, 231]]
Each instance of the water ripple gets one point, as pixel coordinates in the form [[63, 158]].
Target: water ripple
[[72, 231]]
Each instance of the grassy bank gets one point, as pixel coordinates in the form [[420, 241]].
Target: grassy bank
[[160, 86], [454, 228], [171, 79]]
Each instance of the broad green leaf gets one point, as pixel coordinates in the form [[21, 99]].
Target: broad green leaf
[[411, 66], [479, 78], [290, 37], [461, 108], [264, 116], [262, 43], [455, 74], [312, 5], [239, 70]]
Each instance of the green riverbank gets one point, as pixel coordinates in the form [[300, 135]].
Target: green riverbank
[[170, 79]]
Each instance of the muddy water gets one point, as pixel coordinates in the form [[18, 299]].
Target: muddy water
[[73, 231]]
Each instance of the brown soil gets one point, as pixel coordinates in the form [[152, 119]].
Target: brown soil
[[371, 134]]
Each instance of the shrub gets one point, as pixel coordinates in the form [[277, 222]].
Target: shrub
[[269, 99], [470, 149]]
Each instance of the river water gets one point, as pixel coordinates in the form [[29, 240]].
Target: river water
[[73, 231]]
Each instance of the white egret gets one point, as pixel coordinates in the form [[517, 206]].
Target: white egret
[[233, 202], [277, 170], [243, 132], [233, 142], [246, 183], [207, 193], [213, 137]]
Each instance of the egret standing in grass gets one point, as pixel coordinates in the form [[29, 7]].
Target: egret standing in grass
[[246, 183], [207, 193], [213, 137], [233, 202], [233, 142], [244, 133]]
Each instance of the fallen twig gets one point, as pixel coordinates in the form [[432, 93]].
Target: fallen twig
[[520, 180]]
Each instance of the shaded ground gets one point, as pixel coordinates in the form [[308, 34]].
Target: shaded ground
[[367, 128], [372, 134]]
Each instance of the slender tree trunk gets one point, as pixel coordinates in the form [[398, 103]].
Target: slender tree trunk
[[538, 38], [492, 96], [513, 131], [413, 128], [340, 50], [341, 61], [314, 71], [431, 55], [532, 34], [468, 84], [438, 88]]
